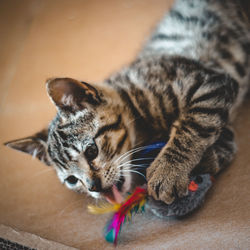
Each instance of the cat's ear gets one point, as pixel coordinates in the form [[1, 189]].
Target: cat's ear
[[35, 145], [72, 95]]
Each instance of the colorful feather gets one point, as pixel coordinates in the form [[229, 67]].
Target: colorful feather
[[133, 204]]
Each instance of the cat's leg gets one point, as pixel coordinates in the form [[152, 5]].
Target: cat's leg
[[216, 157], [203, 113], [168, 175], [219, 155]]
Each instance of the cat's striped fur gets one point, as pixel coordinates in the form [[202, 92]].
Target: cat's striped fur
[[184, 87]]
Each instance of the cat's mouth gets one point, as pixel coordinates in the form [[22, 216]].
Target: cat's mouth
[[125, 185], [115, 193]]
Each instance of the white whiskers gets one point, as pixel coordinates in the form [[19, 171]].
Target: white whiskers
[[128, 153]]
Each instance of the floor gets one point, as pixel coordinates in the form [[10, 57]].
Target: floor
[[86, 40]]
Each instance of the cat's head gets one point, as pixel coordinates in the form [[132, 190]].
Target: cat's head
[[87, 141]]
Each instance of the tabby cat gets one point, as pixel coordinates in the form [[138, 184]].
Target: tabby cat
[[184, 87]]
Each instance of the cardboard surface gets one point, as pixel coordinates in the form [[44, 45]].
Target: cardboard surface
[[88, 40]]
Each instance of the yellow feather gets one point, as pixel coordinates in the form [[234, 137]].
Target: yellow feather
[[142, 203], [129, 216], [104, 208]]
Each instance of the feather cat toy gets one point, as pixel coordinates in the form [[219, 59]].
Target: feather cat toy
[[139, 201]]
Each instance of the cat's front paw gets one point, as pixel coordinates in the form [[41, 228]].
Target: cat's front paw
[[165, 183]]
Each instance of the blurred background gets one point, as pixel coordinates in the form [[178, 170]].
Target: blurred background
[[86, 40]]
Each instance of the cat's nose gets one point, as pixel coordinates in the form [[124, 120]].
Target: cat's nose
[[95, 185]]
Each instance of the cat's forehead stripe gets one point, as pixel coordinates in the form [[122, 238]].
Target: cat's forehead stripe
[[109, 127]]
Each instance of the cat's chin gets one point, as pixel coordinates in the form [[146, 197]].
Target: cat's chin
[[95, 195]]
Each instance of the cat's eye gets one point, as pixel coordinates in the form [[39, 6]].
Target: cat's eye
[[91, 152], [72, 180]]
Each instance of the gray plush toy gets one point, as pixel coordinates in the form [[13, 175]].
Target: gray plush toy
[[198, 188]]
